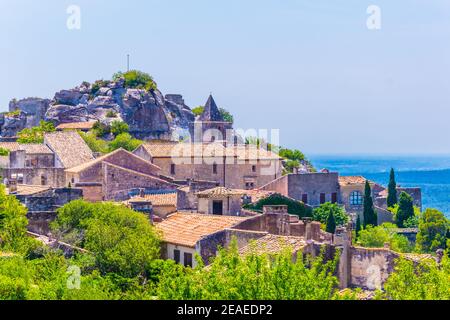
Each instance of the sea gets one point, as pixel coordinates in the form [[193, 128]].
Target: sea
[[429, 172]]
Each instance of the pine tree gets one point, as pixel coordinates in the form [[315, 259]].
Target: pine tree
[[331, 223], [392, 190], [358, 226], [405, 209], [370, 215]]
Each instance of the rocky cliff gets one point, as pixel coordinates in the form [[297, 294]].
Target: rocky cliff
[[148, 113]]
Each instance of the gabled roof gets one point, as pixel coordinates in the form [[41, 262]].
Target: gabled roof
[[211, 111], [28, 190], [157, 199], [186, 229], [35, 149], [349, 180], [220, 192], [186, 150], [252, 152], [272, 244], [105, 157], [11, 146], [69, 147]]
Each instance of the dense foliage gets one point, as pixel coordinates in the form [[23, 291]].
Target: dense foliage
[[433, 231], [253, 276], [4, 152], [35, 134], [122, 241], [136, 79], [119, 127], [294, 207], [424, 281], [377, 237], [405, 210], [125, 141], [323, 212]]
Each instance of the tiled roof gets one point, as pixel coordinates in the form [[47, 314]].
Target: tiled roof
[[163, 199], [167, 149], [69, 147], [11, 146], [186, 229], [27, 190], [221, 192], [349, 180], [77, 125], [105, 157], [35, 149], [273, 244], [251, 152]]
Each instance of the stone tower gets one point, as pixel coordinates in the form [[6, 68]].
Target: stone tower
[[210, 126]]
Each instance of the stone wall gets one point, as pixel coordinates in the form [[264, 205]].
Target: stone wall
[[54, 177]]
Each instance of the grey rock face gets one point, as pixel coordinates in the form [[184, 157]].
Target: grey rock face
[[148, 114]]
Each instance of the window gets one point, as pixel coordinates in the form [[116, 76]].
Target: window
[[356, 198], [249, 185], [334, 197], [218, 207], [215, 168], [253, 168], [305, 198], [20, 178], [176, 255], [322, 198], [172, 169], [43, 180], [187, 259]]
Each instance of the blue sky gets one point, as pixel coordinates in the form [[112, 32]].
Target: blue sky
[[309, 68]]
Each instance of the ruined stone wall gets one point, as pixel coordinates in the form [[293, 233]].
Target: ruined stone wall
[[54, 177], [92, 192], [279, 185]]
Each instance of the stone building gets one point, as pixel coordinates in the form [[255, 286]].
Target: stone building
[[220, 201], [236, 166], [210, 126], [44, 164], [157, 204], [313, 189], [113, 176]]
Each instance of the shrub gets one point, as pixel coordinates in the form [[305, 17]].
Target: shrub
[[433, 229], [125, 141], [294, 207], [137, 80], [95, 144], [4, 152], [322, 213], [376, 237], [35, 134], [119, 127], [111, 114], [100, 129]]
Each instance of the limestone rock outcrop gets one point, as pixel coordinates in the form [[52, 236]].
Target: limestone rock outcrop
[[149, 114]]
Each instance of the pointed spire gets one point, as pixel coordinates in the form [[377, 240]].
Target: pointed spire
[[211, 112]]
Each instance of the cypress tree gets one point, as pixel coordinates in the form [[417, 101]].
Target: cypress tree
[[392, 190], [331, 223], [370, 216], [358, 226], [405, 209]]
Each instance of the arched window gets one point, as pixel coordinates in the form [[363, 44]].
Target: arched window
[[356, 198]]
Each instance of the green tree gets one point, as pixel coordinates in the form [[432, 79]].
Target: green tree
[[35, 134], [4, 152], [369, 213], [125, 141], [323, 212], [433, 228], [122, 241], [358, 227], [425, 280], [331, 223], [95, 144], [119, 127], [392, 190], [376, 237], [254, 276], [405, 209], [294, 207], [137, 80]]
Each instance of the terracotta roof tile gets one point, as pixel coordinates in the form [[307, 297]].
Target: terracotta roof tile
[[11, 146], [273, 244], [349, 180], [87, 125], [26, 190], [186, 229], [161, 199], [221, 192], [69, 147], [35, 149]]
